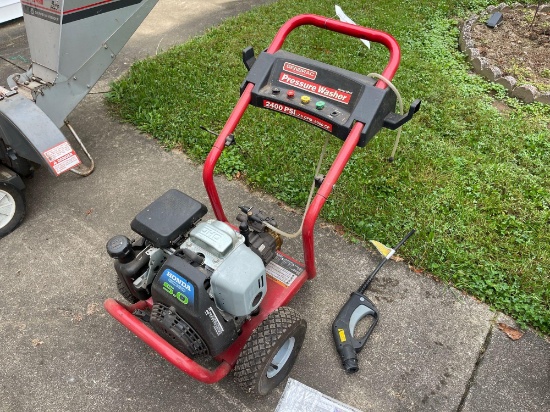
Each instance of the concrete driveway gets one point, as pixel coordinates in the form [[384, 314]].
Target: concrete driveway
[[61, 352]]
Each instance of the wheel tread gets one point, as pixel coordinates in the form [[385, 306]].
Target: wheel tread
[[257, 349]]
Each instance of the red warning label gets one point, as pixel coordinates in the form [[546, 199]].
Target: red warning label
[[61, 158], [300, 71], [278, 107], [315, 88]]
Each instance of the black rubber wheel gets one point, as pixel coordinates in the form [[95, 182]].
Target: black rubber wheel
[[270, 352], [12, 208]]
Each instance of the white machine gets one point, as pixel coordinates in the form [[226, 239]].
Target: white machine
[[9, 10], [72, 43]]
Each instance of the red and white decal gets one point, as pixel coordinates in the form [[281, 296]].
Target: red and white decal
[[61, 158], [315, 88], [39, 4], [278, 107], [300, 71]]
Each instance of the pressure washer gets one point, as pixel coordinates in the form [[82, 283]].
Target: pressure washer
[[211, 289]]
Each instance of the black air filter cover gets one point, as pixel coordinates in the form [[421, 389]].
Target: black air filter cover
[[167, 218]]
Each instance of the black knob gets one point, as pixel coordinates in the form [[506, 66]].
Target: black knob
[[120, 247], [245, 231]]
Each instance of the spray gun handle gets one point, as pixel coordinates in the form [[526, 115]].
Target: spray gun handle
[[356, 308]]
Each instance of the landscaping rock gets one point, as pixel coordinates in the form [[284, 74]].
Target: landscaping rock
[[503, 7], [463, 41], [472, 53], [543, 98], [491, 73], [526, 92], [508, 82], [479, 64], [471, 21]]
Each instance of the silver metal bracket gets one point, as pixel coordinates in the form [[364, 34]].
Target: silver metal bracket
[[156, 259]]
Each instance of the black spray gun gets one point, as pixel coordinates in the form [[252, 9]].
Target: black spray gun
[[357, 308]]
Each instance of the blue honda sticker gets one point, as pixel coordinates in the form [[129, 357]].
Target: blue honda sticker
[[178, 287]]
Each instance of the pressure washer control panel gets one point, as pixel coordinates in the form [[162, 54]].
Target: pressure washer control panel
[[326, 96]]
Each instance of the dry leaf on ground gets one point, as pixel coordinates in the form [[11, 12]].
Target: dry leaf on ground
[[512, 333]]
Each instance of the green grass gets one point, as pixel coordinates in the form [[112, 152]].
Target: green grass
[[473, 180]]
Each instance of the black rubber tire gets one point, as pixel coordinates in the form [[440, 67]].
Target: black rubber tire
[[20, 207], [252, 368]]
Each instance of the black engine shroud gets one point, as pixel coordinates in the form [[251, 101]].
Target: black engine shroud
[[183, 312], [182, 287]]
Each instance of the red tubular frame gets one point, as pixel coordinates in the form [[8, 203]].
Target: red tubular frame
[[124, 314], [277, 295], [348, 146], [347, 29], [322, 195]]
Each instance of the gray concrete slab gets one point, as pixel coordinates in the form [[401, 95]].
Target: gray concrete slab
[[64, 351], [14, 49], [61, 352], [513, 375]]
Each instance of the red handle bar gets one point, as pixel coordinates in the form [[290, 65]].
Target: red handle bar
[[347, 29], [345, 151]]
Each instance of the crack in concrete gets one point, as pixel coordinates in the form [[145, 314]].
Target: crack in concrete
[[480, 356], [10, 62]]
